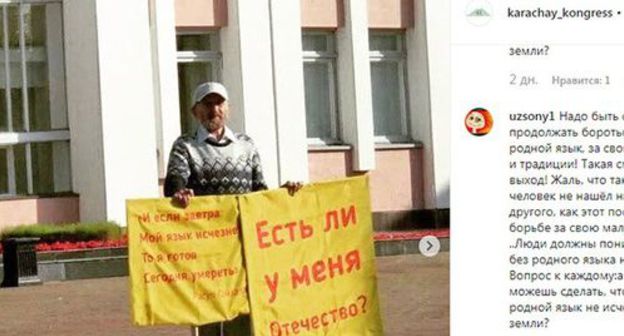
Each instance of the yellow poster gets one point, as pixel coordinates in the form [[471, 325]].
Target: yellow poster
[[310, 260], [185, 264]]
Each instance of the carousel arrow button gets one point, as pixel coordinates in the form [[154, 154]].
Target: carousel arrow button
[[429, 246]]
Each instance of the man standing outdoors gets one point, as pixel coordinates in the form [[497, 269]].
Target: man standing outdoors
[[215, 161]]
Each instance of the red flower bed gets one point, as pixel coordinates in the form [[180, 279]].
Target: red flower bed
[[68, 246]]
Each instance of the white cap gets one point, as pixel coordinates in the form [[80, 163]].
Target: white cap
[[205, 89]]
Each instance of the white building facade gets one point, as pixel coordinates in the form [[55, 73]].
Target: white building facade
[[94, 92]]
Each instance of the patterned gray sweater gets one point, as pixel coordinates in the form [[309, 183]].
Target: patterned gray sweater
[[210, 168]]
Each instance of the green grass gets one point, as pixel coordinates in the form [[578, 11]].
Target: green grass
[[72, 232]]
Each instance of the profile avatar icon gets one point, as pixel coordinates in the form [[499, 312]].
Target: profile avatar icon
[[479, 121], [479, 12]]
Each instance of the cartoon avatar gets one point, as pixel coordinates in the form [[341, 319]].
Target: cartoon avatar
[[479, 121]]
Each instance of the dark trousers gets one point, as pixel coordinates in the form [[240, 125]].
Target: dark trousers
[[240, 326]]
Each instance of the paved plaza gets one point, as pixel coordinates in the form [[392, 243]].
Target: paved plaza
[[414, 295]]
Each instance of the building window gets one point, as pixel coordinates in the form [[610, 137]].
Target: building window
[[387, 56], [199, 60], [319, 73], [34, 134]]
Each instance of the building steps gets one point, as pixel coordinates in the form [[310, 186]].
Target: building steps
[[388, 243]]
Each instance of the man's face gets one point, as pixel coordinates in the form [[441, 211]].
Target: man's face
[[211, 112]]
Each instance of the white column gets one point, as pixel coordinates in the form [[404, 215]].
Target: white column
[[166, 93], [111, 105], [428, 66], [354, 82], [83, 107], [127, 98], [248, 75], [289, 90]]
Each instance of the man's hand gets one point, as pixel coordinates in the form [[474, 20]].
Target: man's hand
[[183, 197], [292, 187]]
